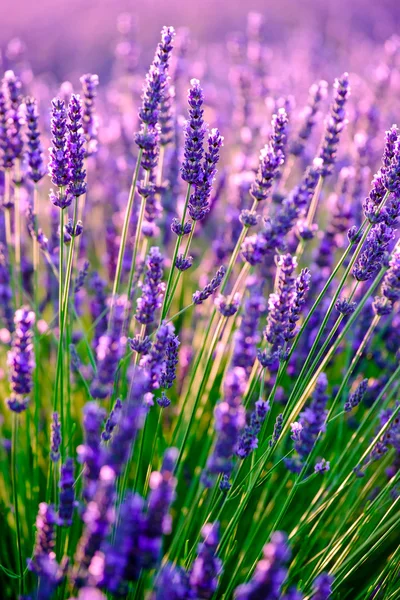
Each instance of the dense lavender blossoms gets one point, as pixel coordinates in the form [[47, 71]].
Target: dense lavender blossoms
[[156, 79], [90, 452], [75, 148], [357, 396], [45, 537], [172, 583], [312, 421], [301, 288], [55, 438], [206, 567], [130, 421], [158, 521], [200, 296], [21, 360], [316, 94], [229, 420], [195, 130], [90, 84], [67, 494], [112, 421], [248, 440], [280, 303], [6, 293], [270, 572], [171, 360], [58, 165], [334, 125], [372, 256], [97, 518], [154, 361], [199, 201], [322, 587], [35, 150], [391, 281], [109, 351], [152, 289], [270, 161], [11, 142], [247, 336]]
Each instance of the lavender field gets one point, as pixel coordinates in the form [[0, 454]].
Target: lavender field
[[200, 301]]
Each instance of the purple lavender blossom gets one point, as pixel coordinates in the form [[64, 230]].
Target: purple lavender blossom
[[154, 362], [11, 120], [356, 397], [225, 307], [98, 518], [55, 438], [270, 573], [248, 440], [81, 277], [391, 282], [109, 352], [195, 130], [322, 587], [98, 305], [280, 303], [335, 124], [277, 430], [119, 563], [247, 336], [177, 228], [344, 307], [312, 421], [166, 116], [90, 452], [270, 161], [316, 94], [75, 148], [172, 583], [153, 210], [206, 567], [58, 165], [21, 360], [322, 466], [112, 421], [199, 202], [279, 125], [67, 494], [156, 79], [6, 293], [168, 376], [148, 140], [391, 179], [229, 417], [152, 289], [183, 263], [139, 344], [90, 84], [200, 296], [370, 260], [35, 150], [129, 423], [163, 401], [158, 520], [301, 288], [45, 536]]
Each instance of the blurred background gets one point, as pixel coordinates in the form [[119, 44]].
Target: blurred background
[[70, 36]]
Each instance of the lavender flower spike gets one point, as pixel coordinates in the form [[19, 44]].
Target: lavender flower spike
[[200, 296], [280, 304], [322, 587], [158, 520], [270, 572], [58, 165], [199, 201], [154, 362], [21, 360], [90, 84], [370, 260], [206, 568], [90, 452], [270, 161], [55, 438], [152, 289], [355, 398], [67, 494], [109, 351], [35, 150], [247, 336], [195, 130], [45, 537], [334, 125], [312, 421], [391, 282], [248, 440], [301, 287], [11, 120], [171, 360], [112, 421], [75, 148]]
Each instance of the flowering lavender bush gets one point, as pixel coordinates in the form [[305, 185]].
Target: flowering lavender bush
[[200, 327]]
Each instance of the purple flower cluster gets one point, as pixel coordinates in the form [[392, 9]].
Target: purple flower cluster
[[109, 351], [11, 119], [312, 422], [357, 396], [248, 440], [34, 146], [155, 361], [316, 94], [21, 360], [206, 568], [200, 296], [90, 84], [322, 587], [152, 289], [270, 573], [75, 148], [67, 494], [90, 452], [195, 130], [247, 336], [280, 303], [55, 438], [371, 258]]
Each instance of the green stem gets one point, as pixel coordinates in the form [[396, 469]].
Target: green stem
[[15, 500]]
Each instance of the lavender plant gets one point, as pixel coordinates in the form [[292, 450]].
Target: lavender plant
[[200, 340]]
